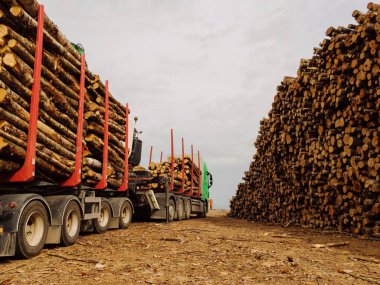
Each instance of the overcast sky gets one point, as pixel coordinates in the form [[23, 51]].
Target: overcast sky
[[206, 68]]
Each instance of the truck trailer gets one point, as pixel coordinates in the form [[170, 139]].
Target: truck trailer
[[68, 156]]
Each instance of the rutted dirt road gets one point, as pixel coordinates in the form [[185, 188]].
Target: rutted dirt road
[[215, 250]]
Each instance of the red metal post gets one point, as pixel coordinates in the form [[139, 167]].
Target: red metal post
[[172, 161], [124, 185], [27, 171], [183, 167], [102, 184], [199, 175], [76, 176], [192, 172], [150, 156], [161, 157]]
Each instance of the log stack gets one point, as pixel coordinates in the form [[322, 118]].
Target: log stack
[[317, 159], [180, 174], [58, 107]]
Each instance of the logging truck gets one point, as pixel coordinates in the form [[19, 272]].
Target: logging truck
[[68, 157], [179, 190], [36, 213]]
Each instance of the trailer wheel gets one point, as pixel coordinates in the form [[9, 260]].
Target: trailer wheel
[[102, 223], [125, 215], [32, 230], [187, 209], [71, 224], [180, 210], [172, 210]]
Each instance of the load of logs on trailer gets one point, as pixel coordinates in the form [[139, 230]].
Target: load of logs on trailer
[[57, 121], [181, 175], [317, 159]]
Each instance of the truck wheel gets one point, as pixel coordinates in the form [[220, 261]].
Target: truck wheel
[[71, 224], [32, 230], [172, 210], [187, 209], [125, 215], [180, 210], [102, 223]]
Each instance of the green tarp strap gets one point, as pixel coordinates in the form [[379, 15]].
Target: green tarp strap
[[78, 47]]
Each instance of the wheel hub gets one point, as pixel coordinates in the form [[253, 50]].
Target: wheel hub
[[34, 229], [72, 223], [104, 216]]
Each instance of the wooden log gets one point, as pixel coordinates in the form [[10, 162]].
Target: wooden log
[[19, 68]]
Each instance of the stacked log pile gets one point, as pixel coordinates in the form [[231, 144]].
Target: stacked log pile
[[58, 107], [181, 174], [317, 158]]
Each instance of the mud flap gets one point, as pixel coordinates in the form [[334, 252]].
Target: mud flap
[[8, 244], [161, 200]]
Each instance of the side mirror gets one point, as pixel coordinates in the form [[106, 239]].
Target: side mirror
[[210, 182]]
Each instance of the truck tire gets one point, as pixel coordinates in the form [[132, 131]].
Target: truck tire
[[125, 215], [71, 224], [102, 224], [32, 230], [180, 210], [172, 210], [187, 209]]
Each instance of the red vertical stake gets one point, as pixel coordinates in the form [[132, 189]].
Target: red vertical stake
[[124, 185], [172, 160], [150, 156], [199, 176], [192, 172], [183, 166], [27, 171], [102, 184], [76, 177], [161, 156]]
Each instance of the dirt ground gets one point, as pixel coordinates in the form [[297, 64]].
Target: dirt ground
[[215, 250]]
